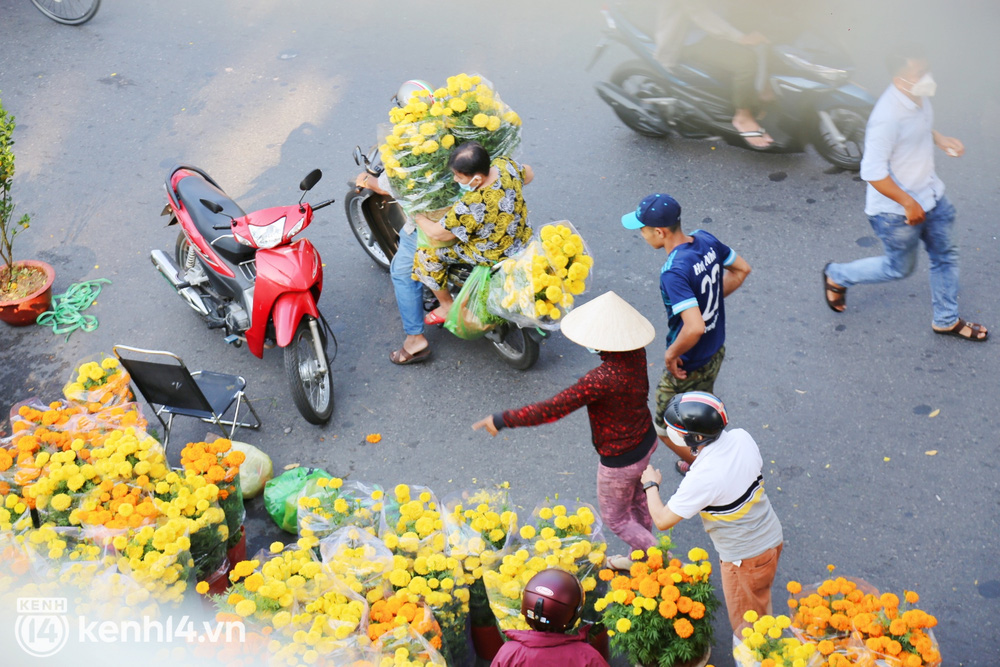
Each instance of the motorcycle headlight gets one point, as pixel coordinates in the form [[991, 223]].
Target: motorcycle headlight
[[831, 74], [297, 228], [268, 236]]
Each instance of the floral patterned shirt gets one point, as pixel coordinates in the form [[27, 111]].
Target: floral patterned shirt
[[616, 395], [491, 223]]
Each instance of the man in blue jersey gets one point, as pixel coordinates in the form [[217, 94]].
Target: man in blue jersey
[[699, 273]]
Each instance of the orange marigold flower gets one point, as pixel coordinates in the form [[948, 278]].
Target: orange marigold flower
[[831, 567], [374, 437], [670, 593], [911, 597], [794, 587], [621, 583], [606, 575], [889, 600], [649, 588], [639, 569], [898, 627], [913, 661], [683, 628], [825, 647], [684, 604], [768, 662], [667, 609], [697, 611]]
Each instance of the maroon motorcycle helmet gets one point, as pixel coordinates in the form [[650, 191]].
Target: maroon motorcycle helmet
[[552, 601]]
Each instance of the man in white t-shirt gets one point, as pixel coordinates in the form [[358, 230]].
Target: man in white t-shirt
[[726, 487]]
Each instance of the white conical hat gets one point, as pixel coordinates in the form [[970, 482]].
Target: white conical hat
[[608, 323]]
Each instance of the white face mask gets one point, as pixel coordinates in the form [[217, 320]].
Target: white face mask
[[925, 86], [676, 437]]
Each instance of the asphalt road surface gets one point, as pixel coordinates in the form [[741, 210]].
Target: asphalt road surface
[[879, 437]]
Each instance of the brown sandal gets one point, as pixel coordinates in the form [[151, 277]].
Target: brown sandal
[[401, 357], [838, 304], [974, 331]]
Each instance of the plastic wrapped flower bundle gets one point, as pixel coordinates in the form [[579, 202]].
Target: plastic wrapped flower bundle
[[766, 641], [158, 558], [358, 560], [567, 537], [220, 464], [425, 131], [662, 609], [310, 615], [538, 286], [404, 646], [326, 504], [402, 615], [192, 498], [896, 634], [98, 384]]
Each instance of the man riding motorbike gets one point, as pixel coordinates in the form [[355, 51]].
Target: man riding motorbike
[[409, 293]]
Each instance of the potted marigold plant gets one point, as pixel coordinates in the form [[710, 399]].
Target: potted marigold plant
[[26, 285], [660, 612]]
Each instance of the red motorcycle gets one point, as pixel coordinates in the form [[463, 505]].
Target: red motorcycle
[[242, 273]]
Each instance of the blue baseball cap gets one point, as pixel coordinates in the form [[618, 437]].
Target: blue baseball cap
[[654, 211]]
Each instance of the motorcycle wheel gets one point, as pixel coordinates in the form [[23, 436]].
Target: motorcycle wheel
[[181, 251], [68, 12], [312, 388], [514, 346], [851, 124], [353, 205], [637, 80]]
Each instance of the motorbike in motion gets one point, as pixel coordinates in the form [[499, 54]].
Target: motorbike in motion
[[243, 274], [376, 221], [813, 101]]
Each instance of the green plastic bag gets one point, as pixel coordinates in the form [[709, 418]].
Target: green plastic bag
[[468, 317], [281, 496]]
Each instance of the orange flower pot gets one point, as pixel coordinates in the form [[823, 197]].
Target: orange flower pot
[[21, 312]]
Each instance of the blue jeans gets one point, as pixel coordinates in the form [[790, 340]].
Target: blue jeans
[[900, 241], [409, 292]]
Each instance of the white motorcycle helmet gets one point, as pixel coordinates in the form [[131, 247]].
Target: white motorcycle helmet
[[410, 87]]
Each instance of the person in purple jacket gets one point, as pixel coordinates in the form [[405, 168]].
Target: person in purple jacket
[[551, 605]]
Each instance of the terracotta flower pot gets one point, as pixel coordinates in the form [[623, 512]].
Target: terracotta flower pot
[[21, 312]]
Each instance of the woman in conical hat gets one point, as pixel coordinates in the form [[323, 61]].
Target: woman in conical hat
[[615, 394]]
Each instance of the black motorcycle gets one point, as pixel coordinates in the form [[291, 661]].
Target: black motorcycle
[[814, 99], [376, 220]]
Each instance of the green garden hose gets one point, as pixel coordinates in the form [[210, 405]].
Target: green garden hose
[[65, 316]]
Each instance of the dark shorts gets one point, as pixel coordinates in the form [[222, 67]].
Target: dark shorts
[[702, 379]]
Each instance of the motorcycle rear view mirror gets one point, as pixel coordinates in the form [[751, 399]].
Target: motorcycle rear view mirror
[[358, 156], [310, 180]]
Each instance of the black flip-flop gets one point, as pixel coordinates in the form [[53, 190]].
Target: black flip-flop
[[401, 357]]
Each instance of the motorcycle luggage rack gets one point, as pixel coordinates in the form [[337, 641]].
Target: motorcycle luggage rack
[[249, 269]]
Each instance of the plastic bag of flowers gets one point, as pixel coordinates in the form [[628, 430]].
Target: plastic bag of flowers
[[159, 558], [895, 633], [563, 535], [824, 610], [98, 382], [52, 550], [539, 285], [415, 151], [189, 496], [34, 413], [407, 644], [761, 639], [255, 471], [326, 504], [661, 611], [359, 560], [411, 524], [220, 465]]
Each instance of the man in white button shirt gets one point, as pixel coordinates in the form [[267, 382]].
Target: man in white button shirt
[[905, 201]]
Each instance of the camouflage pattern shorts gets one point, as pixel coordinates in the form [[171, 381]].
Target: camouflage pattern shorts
[[702, 379]]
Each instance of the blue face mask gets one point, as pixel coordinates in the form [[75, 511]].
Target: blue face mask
[[467, 187]]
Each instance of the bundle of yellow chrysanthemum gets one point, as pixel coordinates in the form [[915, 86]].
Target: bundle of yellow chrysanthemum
[[359, 560], [539, 285], [566, 537], [98, 384], [425, 131], [326, 504], [767, 640]]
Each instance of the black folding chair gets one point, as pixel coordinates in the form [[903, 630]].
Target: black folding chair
[[171, 389]]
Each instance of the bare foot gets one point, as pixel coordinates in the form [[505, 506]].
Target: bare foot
[[750, 129]]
